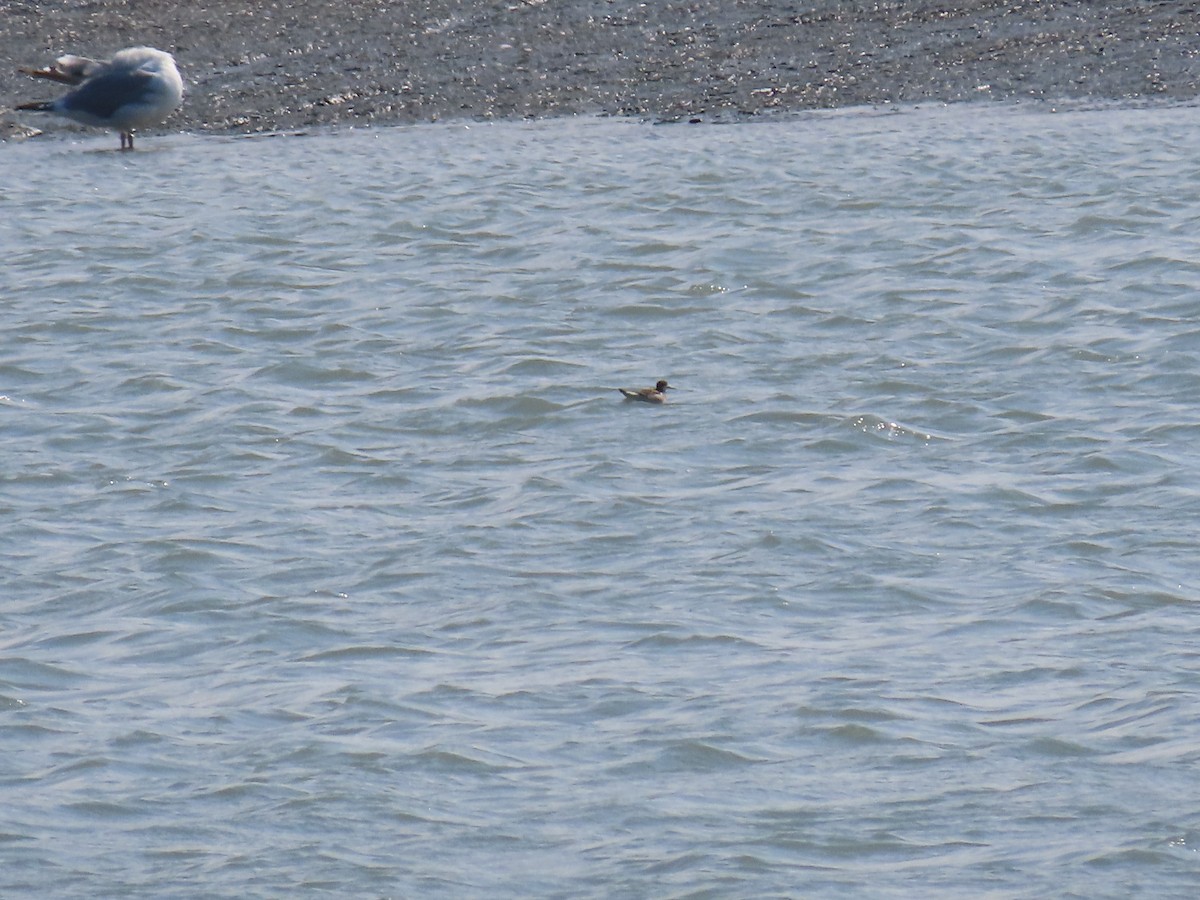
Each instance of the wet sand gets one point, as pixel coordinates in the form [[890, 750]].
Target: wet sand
[[271, 66]]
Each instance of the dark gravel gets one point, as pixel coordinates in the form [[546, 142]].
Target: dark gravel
[[268, 66]]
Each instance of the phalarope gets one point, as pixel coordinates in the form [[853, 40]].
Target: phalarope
[[656, 394]]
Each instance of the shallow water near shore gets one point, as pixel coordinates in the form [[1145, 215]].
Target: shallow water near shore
[[336, 565]]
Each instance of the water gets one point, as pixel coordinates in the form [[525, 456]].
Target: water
[[336, 566]]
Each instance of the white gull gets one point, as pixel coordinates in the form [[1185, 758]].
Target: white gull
[[137, 88]]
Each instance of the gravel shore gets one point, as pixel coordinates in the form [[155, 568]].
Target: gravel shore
[[270, 66]]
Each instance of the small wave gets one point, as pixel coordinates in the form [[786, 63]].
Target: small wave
[[879, 427]]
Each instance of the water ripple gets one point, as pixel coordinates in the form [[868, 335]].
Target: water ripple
[[336, 561]]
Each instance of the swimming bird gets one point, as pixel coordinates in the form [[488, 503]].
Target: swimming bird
[[138, 87], [656, 394]]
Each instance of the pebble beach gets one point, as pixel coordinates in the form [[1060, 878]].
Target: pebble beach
[[283, 66]]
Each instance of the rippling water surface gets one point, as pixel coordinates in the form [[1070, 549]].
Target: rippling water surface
[[334, 564]]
